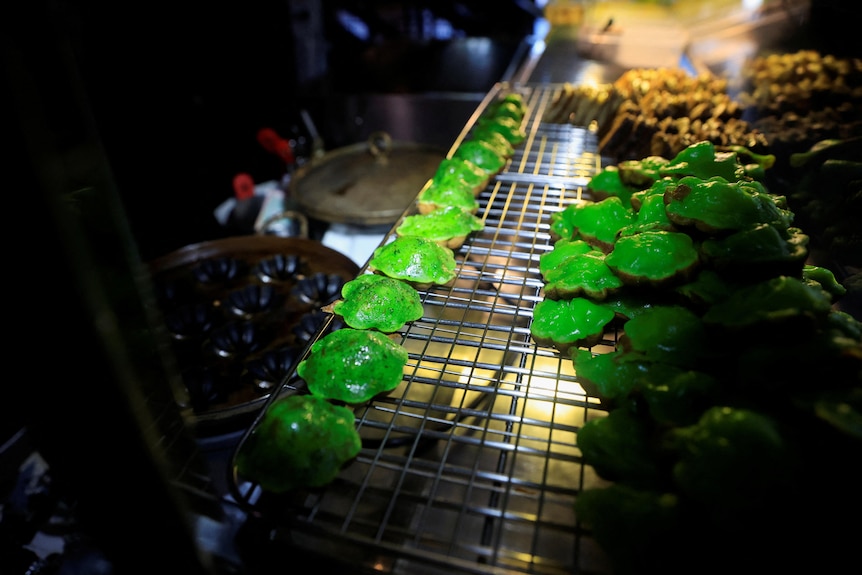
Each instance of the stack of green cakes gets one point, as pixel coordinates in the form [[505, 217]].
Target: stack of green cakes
[[448, 204], [734, 392], [304, 439]]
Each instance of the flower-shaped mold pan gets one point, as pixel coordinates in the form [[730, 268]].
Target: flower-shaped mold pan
[[279, 268], [237, 312], [318, 289]]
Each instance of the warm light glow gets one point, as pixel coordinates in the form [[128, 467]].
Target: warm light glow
[[560, 389]]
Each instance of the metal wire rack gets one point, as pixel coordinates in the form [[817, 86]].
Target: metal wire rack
[[471, 464]]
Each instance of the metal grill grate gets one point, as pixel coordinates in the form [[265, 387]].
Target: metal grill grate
[[471, 465]]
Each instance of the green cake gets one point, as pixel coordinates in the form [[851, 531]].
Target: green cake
[[300, 441], [353, 365], [420, 261], [452, 192], [448, 226], [372, 301]]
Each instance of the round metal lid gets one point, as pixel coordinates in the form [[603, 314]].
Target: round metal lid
[[370, 183]]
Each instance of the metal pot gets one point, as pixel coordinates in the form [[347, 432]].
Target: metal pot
[[370, 183]]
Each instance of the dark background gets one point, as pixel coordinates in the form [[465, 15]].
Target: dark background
[[178, 90]]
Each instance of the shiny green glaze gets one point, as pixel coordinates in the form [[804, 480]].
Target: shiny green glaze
[[653, 257], [506, 126], [715, 205], [824, 278], [604, 376], [415, 259], [372, 301], [441, 224], [563, 250], [627, 305], [450, 193], [583, 275], [642, 173], [782, 299], [353, 365], [707, 288], [758, 163], [760, 246], [300, 441], [510, 105], [650, 216], [670, 334], [460, 169], [569, 323], [496, 140], [608, 183], [657, 188], [482, 154], [562, 225], [599, 222], [703, 161], [673, 395]]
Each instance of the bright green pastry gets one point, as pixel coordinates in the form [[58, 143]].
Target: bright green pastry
[[707, 287], [562, 226], [482, 154], [702, 160], [496, 140], [654, 259], [627, 305], [510, 105], [461, 169], [562, 251], [650, 216], [506, 126], [716, 205], [353, 365], [569, 323], [300, 441], [674, 395], [414, 259], [584, 275], [671, 334], [608, 183], [642, 173], [598, 223], [448, 226], [615, 375], [657, 188], [372, 301], [779, 301], [601, 375], [452, 192], [823, 278], [762, 250]]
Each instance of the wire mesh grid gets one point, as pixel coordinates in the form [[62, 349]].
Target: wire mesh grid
[[471, 464]]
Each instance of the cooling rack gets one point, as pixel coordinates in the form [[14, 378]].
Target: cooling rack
[[471, 464]]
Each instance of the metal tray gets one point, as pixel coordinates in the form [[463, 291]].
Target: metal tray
[[471, 465]]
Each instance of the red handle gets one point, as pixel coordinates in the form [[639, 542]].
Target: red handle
[[243, 186], [275, 144]]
